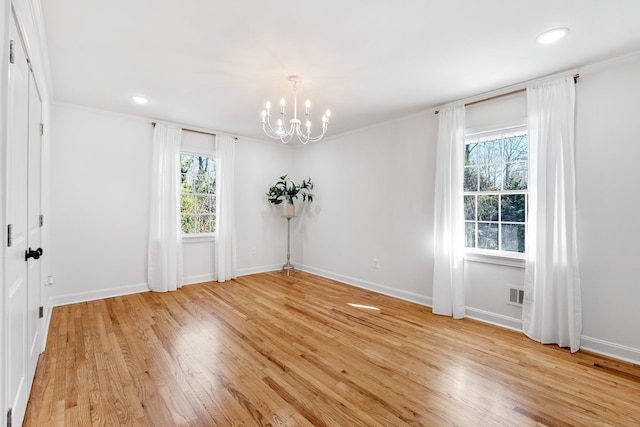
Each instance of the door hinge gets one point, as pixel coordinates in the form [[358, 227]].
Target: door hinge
[[41, 312], [41, 129], [9, 236], [41, 220], [12, 51], [9, 417]]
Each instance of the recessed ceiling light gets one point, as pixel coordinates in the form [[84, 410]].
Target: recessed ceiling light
[[140, 99], [552, 36]]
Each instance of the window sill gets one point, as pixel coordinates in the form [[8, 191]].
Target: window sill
[[195, 238], [498, 259]]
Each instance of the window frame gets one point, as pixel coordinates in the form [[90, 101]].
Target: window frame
[[199, 237], [501, 257]]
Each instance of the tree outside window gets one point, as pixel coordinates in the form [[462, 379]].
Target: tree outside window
[[198, 194], [495, 191]]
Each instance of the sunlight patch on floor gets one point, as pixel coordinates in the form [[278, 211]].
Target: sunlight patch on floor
[[368, 307]]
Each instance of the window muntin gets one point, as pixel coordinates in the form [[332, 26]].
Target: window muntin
[[197, 194], [495, 191]]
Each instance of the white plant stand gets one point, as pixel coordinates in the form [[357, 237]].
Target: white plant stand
[[288, 266]]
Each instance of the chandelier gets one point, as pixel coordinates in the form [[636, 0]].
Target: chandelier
[[285, 132]]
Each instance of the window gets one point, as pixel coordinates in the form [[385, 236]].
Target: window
[[198, 194], [495, 190]]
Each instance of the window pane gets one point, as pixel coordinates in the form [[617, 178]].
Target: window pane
[[186, 163], [187, 204], [202, 183], [489, 152], [470, 179], [187, 224], [470, 208], [513, 207], [204, 224], [515, 148], [202, 205], [488, 208], [186, 183], [470, 234], [515, 176], [513, 237], [471, 154], [490, 178], [488, 236]]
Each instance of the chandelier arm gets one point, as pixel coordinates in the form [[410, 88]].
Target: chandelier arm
[[286, 138], [271, 133], [285, 130], [315, 138]]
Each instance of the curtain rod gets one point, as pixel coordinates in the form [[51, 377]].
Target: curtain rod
[[198, 131], [513, 92]]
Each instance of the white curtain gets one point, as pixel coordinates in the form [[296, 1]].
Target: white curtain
[[165, 246], [552, 311], [448, 278], [225, 208]]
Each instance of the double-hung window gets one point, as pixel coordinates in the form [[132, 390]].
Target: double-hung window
[[495, 191], [197, 194]]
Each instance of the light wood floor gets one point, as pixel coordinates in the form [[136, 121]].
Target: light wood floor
[[275, 351]]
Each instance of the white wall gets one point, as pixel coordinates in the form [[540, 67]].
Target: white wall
[[373, 201], [100, 198], [100, 186], [608, 149], [261, 232]]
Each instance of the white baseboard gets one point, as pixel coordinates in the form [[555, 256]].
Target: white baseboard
[[199, 278], [211, 277], [594, 345], [606, 348], [99, 294], [381, 289], [494, 318], [260, 269]]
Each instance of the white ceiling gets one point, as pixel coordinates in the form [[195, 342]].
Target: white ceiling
[[213, 64]]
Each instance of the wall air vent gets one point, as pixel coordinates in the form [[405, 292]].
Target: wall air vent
[[516, 295]]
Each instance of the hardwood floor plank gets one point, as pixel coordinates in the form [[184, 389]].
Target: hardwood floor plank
[[267, 350]]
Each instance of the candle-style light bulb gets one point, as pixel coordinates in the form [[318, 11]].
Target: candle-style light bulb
[[264, 115], [268, 105]]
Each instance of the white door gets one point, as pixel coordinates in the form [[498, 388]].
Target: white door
[[16, 280], [34, 239], [22, 329]]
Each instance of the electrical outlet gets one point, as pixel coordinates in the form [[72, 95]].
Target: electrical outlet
[[49, 281], [254, 250], [376, 263]]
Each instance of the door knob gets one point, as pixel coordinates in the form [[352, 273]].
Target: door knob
[[33, 254]]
